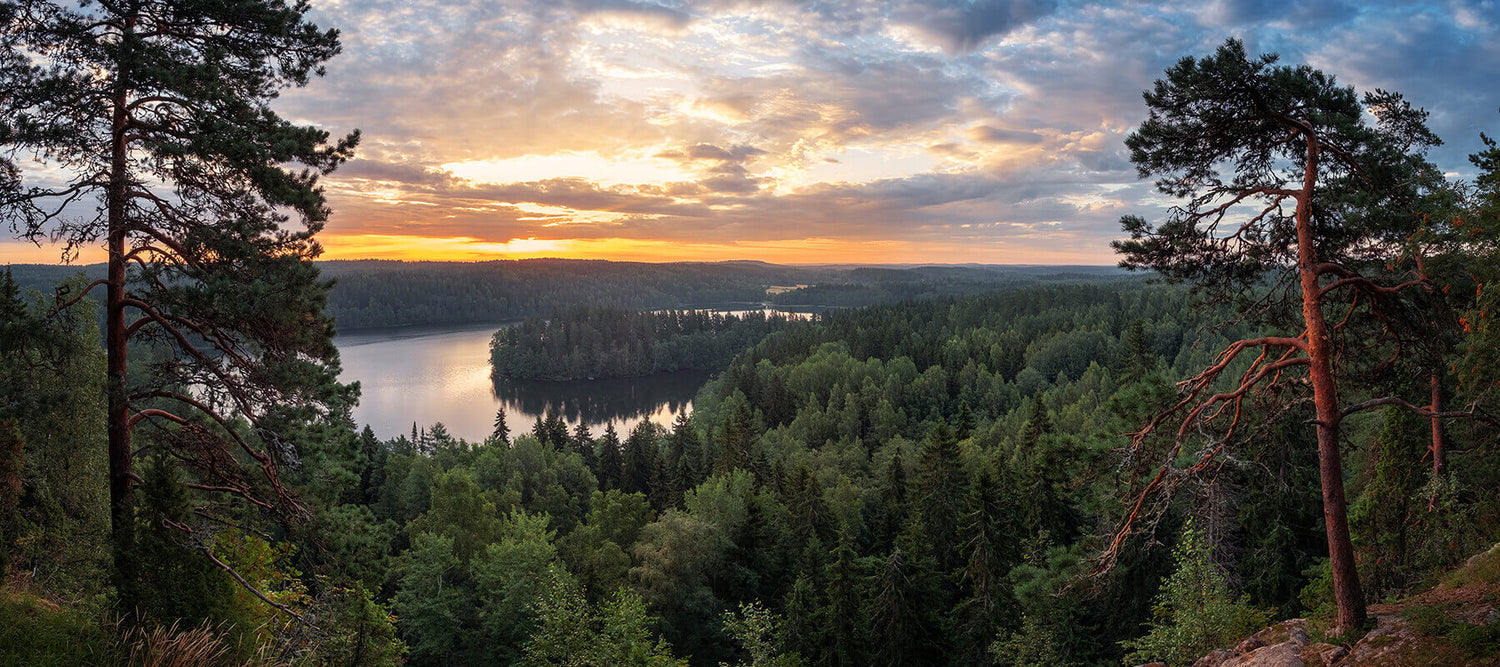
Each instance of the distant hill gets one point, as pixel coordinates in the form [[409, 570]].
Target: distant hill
[[390, 293]]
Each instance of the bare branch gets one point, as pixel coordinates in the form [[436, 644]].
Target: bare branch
[[253, 590]]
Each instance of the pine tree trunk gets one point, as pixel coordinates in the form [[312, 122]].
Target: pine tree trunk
[[121, 474], [1348, 597]]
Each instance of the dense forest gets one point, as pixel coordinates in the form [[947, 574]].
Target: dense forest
[[922, 483], [589, 342]]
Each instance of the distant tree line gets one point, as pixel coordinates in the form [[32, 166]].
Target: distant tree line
[[603, 342], [380, 293]]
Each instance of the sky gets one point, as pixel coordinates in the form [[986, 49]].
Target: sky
[[921, 131]]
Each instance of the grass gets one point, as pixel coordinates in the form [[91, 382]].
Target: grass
[[1476, 641], [1480, 570], [37, 633]]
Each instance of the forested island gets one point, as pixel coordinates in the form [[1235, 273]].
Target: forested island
[[588, 342], [1294, 413]]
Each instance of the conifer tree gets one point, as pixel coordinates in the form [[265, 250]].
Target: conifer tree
[[583, 443], [904, 602], [736, 438], [611, 470], [501, 431], [942, 488], [160, 113], [893, 503], [989, 552], [843, 633], [686, 453], [1283, 180], [640, 458]]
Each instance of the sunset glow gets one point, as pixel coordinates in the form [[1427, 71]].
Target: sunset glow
[[989, 131]]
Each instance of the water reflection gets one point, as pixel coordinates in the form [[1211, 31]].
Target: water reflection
[[596, 402], [420, 377]]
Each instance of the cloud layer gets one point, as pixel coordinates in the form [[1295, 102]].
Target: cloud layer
[[924, 130]]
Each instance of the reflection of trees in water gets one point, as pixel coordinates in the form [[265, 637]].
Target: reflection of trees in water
[[599, 401]]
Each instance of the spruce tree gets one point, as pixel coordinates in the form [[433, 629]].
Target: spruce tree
[[640, 458], [843, 633], [611, 467], [942, 488], [501, 432], [686, 453], [583, 443], [904, 602]]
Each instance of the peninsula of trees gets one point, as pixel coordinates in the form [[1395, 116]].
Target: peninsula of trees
[[588, 342]]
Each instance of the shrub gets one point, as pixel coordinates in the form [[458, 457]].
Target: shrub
[[1194, 612]]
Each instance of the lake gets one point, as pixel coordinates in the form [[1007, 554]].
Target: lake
[[443, 375]]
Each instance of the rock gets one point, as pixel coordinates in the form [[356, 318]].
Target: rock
[[1299, 637], [1249, 645], [1214, 659], [1332, 655], [1391, 637], [1285, 654], [1319, 647]]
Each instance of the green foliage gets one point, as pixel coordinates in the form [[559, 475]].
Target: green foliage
[[761, 635], [600, 342], [431, 601], [571, 633], [1194, 611], [509, 577], [468, 516], [53, 485], [35, 633], [174, 581], [1385, 520], [1035, 644], [346, 628], [1476, 640]]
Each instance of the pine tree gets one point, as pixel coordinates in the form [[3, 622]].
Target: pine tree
[[160, 113], [1286, 178]]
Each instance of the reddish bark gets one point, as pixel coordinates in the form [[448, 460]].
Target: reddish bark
[[1348, 596], [121, 467]]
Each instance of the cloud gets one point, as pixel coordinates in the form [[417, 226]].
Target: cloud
[[997, 124], [962, 25]]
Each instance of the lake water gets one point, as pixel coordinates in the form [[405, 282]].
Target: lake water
[[443, 375]]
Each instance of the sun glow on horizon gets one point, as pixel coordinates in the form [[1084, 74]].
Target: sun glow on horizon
[[783, 251]]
